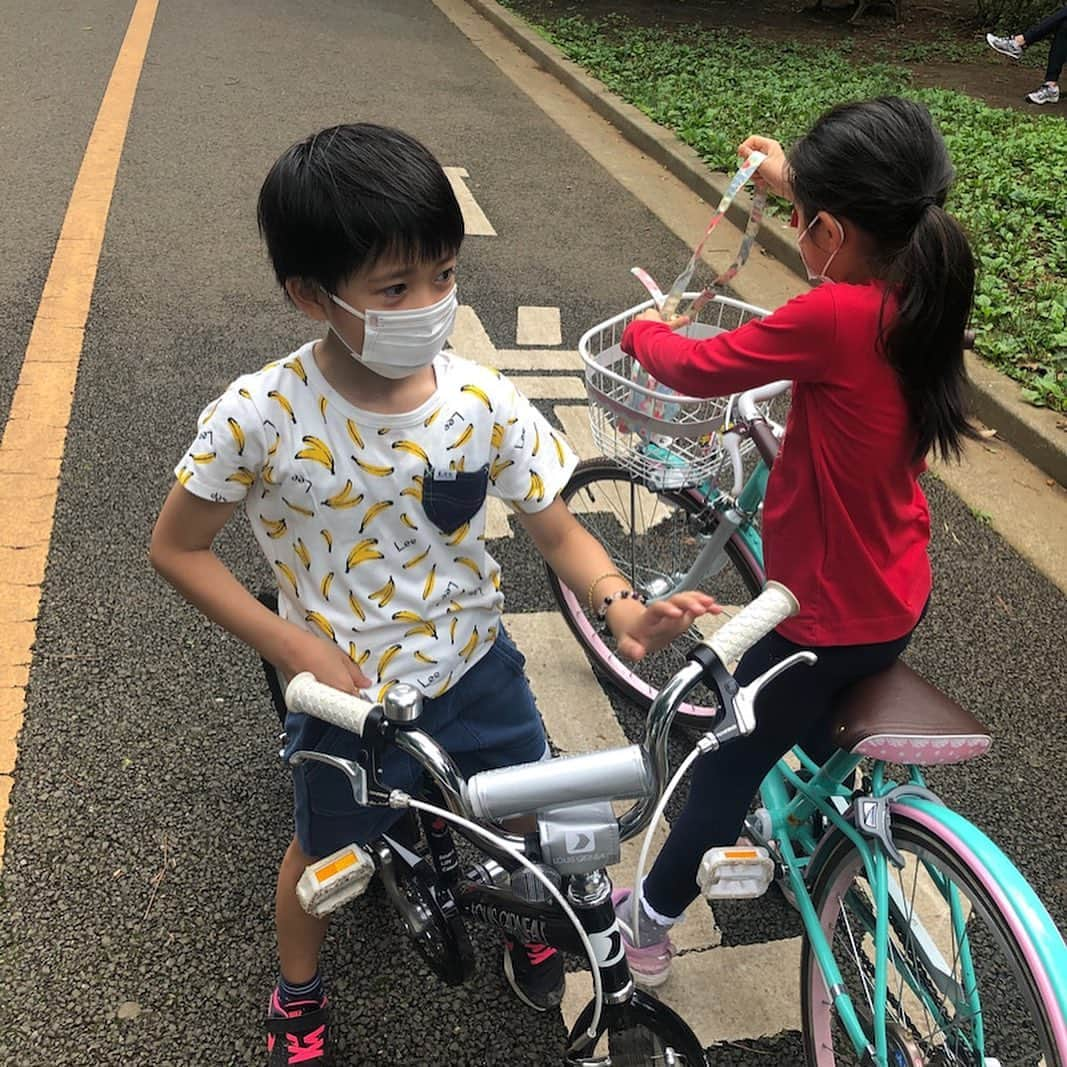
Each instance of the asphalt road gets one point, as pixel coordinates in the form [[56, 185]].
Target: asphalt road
[[149, 810]]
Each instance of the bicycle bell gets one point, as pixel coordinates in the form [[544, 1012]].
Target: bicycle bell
[[402, 704]]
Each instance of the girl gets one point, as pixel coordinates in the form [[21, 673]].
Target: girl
[[876, 359]]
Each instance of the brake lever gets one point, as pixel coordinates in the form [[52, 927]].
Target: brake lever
[[745, 698], [356, 775]]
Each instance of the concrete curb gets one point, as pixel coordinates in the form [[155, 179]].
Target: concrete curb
[[1039, 435]]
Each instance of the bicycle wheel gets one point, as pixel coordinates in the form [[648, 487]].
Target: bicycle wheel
[[653, 539], [962, 988]]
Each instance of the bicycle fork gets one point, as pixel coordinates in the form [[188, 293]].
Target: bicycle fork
[[625, 1006]]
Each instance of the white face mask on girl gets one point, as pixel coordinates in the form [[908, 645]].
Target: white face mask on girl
[[819, 278], [396, 344]]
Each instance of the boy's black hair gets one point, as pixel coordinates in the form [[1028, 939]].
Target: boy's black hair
[[883, 165], [337, 202]]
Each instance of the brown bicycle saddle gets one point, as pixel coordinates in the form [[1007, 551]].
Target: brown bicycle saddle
[[899, 717]]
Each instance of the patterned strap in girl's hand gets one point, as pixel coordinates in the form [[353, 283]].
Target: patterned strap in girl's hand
[[668, 305]]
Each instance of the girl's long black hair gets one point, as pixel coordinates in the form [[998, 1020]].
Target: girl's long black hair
[[883, 165]]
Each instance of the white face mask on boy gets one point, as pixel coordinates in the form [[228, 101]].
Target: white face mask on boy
[[820, 277], [396, 344]]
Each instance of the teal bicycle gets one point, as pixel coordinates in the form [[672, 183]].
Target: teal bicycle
[[923, 945]]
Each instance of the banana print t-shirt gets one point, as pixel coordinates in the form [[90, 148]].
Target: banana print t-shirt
[[334, 495]]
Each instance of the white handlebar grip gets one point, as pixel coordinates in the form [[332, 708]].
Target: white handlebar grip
[[305, 695], [774, 605]]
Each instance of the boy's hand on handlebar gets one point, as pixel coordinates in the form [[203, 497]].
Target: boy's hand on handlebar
[[653, 315], [648, 629], [325, 660], [773, 173]]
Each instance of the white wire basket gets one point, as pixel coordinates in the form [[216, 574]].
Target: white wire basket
[[668, 440]]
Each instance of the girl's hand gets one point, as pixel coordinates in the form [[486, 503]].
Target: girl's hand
[[325, 660], [773, 173], [648, 629], [653, 315]]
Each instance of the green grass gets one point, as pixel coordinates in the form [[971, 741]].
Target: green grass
[[715, 88]]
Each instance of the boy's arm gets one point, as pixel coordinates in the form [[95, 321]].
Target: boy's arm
[[579, 561], [181, 551]]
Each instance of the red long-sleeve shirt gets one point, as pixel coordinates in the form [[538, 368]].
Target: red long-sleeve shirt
[[845, 523]]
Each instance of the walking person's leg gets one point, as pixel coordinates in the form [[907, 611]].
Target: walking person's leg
[[1057, 54]]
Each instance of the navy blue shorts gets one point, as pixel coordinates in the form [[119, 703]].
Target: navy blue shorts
[[487, 720]]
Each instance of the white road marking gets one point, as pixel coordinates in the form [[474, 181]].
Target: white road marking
[[470, 340], [496, 519], [575, 422], [557, 387], [725, 993], [538, 326], [474, 220], [538, 359]]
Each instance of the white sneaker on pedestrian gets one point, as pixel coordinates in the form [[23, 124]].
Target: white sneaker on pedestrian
[[1047, 94], [1006, 46]]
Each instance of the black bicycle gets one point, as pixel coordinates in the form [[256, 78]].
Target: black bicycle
[[551, 885]]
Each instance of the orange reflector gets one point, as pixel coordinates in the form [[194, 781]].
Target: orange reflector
[[340, 864], [741, 854]]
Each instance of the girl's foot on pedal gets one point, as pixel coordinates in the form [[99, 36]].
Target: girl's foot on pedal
[[298, 1033], [650, 955], [535, 973]]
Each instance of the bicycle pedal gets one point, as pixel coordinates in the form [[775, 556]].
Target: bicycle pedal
[[735, 872], [340, 877]]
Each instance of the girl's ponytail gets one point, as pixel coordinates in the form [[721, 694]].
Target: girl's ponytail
[[883, 165], [933, 277]]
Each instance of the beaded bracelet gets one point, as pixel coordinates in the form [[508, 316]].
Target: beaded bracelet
[[595, 582], [620, 594]]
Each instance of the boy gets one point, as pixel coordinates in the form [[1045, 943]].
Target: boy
[[364, 460]]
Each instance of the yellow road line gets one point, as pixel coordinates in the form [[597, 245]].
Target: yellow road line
[[32, 446]]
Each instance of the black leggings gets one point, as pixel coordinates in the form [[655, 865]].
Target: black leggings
[[1056, 24], [791, 710]]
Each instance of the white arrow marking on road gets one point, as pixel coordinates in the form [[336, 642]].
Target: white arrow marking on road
[[474, 220]]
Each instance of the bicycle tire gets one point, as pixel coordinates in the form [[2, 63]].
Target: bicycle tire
[[1012, 1020], [669, 518]]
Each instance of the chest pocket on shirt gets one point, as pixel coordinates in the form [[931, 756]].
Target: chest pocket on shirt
[[451, 498]]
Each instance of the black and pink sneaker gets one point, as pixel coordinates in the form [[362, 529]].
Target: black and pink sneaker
[[535, 973], [298, 1033]]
